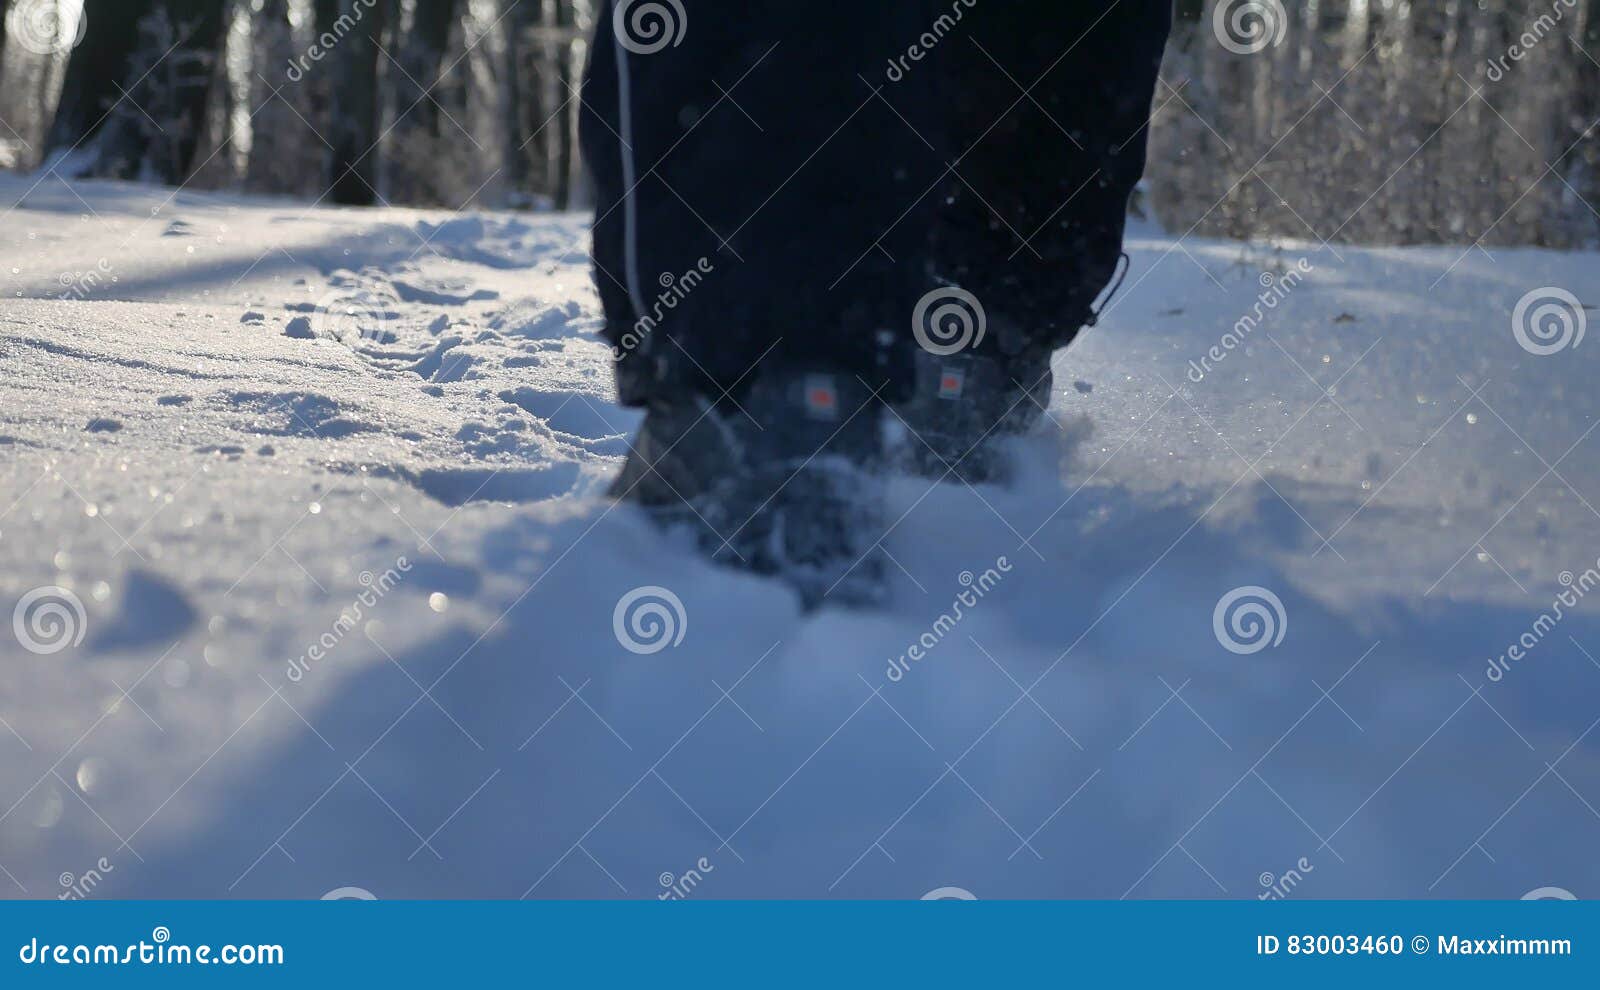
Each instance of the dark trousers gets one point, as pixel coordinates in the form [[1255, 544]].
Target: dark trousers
[[785, 182]]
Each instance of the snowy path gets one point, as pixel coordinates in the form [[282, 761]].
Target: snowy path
[[226, 422]]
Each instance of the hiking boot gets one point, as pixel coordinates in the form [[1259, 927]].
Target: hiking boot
[[964, 406], [783, 481]]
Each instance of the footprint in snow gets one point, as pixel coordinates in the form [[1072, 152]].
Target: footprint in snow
[[295, 414], [440, 293]]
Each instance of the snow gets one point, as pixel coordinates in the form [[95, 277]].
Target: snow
[[227, 422]]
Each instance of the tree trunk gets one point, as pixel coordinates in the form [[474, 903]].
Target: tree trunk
[[321, 77], [326, 11], [207, 23], [353, 173], [566, 133], [5, 11], [274, 45], [96, 68], [165, 67], [1585, 158], [516, 101], [411, 166], [422, 58]]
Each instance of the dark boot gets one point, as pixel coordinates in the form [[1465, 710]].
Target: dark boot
[[782, 481], [966, 405]]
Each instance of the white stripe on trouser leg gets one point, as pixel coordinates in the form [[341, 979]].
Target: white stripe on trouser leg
[[630, 207]]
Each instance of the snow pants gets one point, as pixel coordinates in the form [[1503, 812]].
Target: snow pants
[[782, 181]]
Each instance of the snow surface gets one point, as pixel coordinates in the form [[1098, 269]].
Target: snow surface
[[220, 416]]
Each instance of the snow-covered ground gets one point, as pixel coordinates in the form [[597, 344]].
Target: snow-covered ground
[[226, 423]]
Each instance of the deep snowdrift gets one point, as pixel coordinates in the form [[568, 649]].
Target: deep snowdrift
[[227, 423]]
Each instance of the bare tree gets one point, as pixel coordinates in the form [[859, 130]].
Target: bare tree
[[1583, 161], [1458, 121], [139, 85], [417, 148], [353, 129], [285, 141], [96, 70], [5, 11]]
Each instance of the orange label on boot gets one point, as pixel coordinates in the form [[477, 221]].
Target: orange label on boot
[[822, 400]]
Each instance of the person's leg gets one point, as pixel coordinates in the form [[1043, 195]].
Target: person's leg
[[1050, 105], [752, 273], [1046, 107], [780, 197], [745, 174]]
